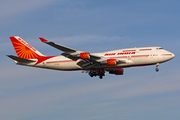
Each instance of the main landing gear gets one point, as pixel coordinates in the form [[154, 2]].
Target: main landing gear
[[97, 72], [157, 69]]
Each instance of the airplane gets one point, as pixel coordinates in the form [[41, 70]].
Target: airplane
[[96, 64]]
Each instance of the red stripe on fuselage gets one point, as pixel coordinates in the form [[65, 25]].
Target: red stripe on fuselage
[[43, 58]]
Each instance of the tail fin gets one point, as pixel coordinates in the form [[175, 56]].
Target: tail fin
[[23, 49]]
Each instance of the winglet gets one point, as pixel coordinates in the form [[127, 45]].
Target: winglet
[[43, 40]]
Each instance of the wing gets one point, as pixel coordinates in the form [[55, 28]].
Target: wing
[[68, 52], [57, 46], [87, 60]]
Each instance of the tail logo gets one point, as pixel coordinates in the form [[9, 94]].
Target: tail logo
[[23, 49], [28, 47]]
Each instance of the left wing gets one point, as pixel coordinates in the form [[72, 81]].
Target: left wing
[[87, 60], [60, 47], [69, 52]]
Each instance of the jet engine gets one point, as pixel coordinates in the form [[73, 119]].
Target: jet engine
[[84, 55], [111, 62], [119, 71]]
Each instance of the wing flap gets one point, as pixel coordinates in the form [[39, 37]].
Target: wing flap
[[85, 64], [94, 57], [70, 56]]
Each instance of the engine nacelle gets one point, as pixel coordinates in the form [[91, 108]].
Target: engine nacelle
[[119, 71], [84, 55], [111, 62]]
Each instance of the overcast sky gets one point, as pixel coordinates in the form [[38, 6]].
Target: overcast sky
[[94, 26]]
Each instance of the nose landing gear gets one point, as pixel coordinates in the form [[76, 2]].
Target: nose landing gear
[[157, 69]]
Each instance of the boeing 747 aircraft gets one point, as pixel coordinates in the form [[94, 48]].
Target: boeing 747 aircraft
[[96, 64]]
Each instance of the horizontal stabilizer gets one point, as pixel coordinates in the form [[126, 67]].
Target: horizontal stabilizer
[[19, 59]]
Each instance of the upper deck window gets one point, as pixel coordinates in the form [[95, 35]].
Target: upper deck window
[[128, 50], [145, 49], [159, 48]]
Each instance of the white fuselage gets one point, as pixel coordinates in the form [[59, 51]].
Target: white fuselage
[[132, 57]]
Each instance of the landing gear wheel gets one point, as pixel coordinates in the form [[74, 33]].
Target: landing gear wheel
[[91, 73], [97, 72], [157, 69]]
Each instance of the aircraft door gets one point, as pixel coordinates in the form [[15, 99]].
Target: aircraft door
[[44, 63], [129, 57], [151, 55]]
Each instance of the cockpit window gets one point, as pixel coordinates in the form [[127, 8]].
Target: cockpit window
[[160, 48]]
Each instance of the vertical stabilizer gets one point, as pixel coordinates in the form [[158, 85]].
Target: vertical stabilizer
[[23, 49]]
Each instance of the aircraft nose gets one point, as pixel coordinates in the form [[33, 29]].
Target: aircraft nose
[[168, 56], [173, 55]]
